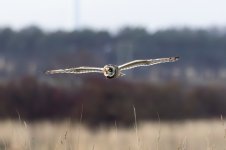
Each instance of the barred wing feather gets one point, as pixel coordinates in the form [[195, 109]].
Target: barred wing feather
[[78, 70], [139, 63]]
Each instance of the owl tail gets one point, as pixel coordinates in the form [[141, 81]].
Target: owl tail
[[121, 74]]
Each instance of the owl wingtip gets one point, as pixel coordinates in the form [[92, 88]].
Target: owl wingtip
[[47, 72], [174, 58]]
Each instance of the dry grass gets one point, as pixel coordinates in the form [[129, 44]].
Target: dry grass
[[189, 135]]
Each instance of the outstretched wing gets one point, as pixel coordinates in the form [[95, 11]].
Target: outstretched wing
[[78, 70], [138, 63]]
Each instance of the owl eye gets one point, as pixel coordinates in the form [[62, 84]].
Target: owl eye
[[110, 69]]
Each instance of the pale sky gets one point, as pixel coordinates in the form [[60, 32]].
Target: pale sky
[[112, 14]]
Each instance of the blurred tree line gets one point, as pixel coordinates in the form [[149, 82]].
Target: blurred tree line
[[197, 47], [107, 101]]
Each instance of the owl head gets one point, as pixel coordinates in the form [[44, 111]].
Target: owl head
[[110, 71]]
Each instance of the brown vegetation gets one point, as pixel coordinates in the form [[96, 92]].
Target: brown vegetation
[[107, 101]]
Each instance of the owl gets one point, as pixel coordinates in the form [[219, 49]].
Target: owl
[[113, 71]]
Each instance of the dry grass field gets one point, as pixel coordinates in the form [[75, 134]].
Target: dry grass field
[[187, 135]]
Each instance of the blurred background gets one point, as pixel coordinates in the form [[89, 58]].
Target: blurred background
[[180, 97]]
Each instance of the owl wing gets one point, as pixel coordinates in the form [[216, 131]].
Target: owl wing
[[78, 70], [148, 62]]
